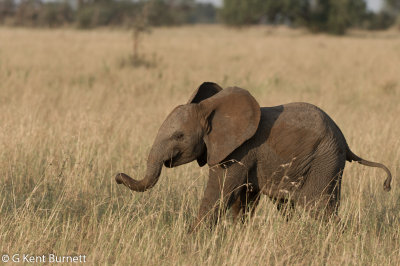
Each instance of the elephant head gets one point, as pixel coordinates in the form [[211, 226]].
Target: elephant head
[[208, 128]]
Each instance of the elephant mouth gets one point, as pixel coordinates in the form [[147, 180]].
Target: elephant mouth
[[172, 162]]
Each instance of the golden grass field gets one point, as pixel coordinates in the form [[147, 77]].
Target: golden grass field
[[73, 114]]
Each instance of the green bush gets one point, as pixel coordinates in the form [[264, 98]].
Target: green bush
[[27, 13], [238, 12], [379, 21], [7, 8], [84, 17], [55, 14], [105, 13], [202, 13]]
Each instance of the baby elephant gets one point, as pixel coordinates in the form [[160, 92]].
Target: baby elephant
[[293, 153]]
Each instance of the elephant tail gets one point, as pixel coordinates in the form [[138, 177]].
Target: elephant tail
[[350, 156]]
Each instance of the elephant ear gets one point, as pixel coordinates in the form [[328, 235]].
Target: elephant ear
[[206, 90], [231, 117]]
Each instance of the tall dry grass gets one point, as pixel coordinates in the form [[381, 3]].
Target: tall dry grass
[[72, 115]]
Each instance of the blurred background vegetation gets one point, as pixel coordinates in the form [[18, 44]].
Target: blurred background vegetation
[[331, 16]]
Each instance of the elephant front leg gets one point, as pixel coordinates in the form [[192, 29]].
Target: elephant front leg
[[285, 207], [246, 203], [223, 188]]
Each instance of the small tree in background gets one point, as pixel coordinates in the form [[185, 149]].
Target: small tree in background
[[140, 25], [338, 19]]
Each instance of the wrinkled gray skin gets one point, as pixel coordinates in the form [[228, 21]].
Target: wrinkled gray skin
[[293, 153]]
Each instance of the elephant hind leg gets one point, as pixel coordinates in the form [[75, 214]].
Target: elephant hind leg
[[324, 205], [246, 204], [320, 195], [324, 209]]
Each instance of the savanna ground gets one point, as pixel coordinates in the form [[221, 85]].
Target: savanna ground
[[73, 113]]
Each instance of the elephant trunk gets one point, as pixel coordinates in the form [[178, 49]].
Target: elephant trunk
[[154, 165]]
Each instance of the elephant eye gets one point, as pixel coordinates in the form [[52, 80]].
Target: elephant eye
[[178, 136]]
